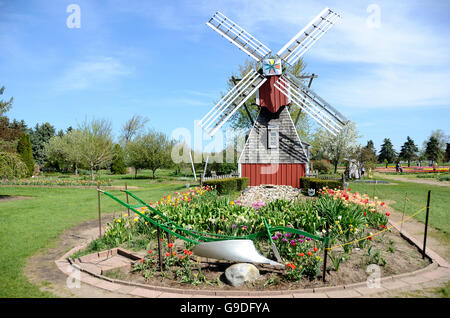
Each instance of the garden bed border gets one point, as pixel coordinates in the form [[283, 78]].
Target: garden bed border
[[438, 268]]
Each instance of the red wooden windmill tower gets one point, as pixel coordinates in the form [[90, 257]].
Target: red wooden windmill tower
[[273, 153]]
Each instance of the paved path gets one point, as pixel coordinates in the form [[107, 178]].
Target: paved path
[[414, 180], [434, 275]]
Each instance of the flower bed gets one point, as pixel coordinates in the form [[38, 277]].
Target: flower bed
[[412, 169], [55, 182], [341, 215]]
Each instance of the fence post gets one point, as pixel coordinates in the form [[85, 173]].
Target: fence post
[[159, 249], [126, 194], [99, 210], [426, 225], [325, 253], [404, 210]]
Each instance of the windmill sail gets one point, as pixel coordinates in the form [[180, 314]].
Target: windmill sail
[[231, 102], [309, 35], [315, 106], [238, 36]]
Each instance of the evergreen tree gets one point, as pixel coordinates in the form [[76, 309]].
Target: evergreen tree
[[369, 153], [118, 161], [409, 151], [433, 151], [5, 105], [40, 135], [387, 152], [447, 153], [25, 152]]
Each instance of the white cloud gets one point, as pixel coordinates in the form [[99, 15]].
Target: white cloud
[[92, 74], [403, 63]]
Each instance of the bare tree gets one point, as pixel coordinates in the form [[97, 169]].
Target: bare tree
[[132, 127], [96, 145]]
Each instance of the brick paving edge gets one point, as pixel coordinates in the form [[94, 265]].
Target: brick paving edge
[[436, 262]]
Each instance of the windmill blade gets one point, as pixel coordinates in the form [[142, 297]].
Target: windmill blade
[[238, 36], [309, 35], [231, 102], [315, 106]]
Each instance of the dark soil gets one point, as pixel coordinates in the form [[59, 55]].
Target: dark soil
[[399, 255]]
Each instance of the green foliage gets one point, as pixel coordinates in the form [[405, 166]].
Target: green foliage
[[5, 105], [25, 152], [433, 151], [10, 133], [336, 148], [409, 151], [39, 136], [322, 166], [317, 184], [96, 145], [387, 153], [64, 152], [118, 161], [242, 183], [227, 185], [223, 186], [12, 166], [150, 151]]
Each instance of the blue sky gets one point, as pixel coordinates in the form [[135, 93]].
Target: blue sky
[[160, 60]]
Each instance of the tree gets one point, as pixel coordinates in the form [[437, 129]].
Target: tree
[[433, 151], [240, 119], [118, 161], [387, 152], [150, 151], [96, 145], [447, 153], [132, 127], [441, 137], [368, 156], [25, 152], [339, 147], [12, 166], [409, 151], [40, 135], [5, 105]]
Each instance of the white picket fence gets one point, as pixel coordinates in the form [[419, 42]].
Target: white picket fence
[[230, 175]]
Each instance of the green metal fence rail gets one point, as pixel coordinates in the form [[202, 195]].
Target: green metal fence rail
[[171, 227]]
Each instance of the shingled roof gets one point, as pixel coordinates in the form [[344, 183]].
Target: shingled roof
[[289, 145]]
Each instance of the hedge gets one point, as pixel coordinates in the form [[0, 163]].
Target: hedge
[[227, 185], [316, 183], [242, 183]]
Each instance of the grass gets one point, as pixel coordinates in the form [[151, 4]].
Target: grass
[[27, 226], [417, 199]]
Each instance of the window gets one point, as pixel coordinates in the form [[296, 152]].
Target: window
[[272, 137]]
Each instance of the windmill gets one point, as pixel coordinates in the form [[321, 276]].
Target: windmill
[[274, 153]]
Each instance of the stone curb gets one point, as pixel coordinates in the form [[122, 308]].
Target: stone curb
[[437, 267]]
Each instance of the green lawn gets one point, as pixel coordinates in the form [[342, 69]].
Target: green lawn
[[417, 198], [27, 226]]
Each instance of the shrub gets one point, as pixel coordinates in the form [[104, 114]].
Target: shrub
[[11, 166], [322, 166], [316, 183], [223, 186], [242, 183], [118, 161], [25, 153]]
